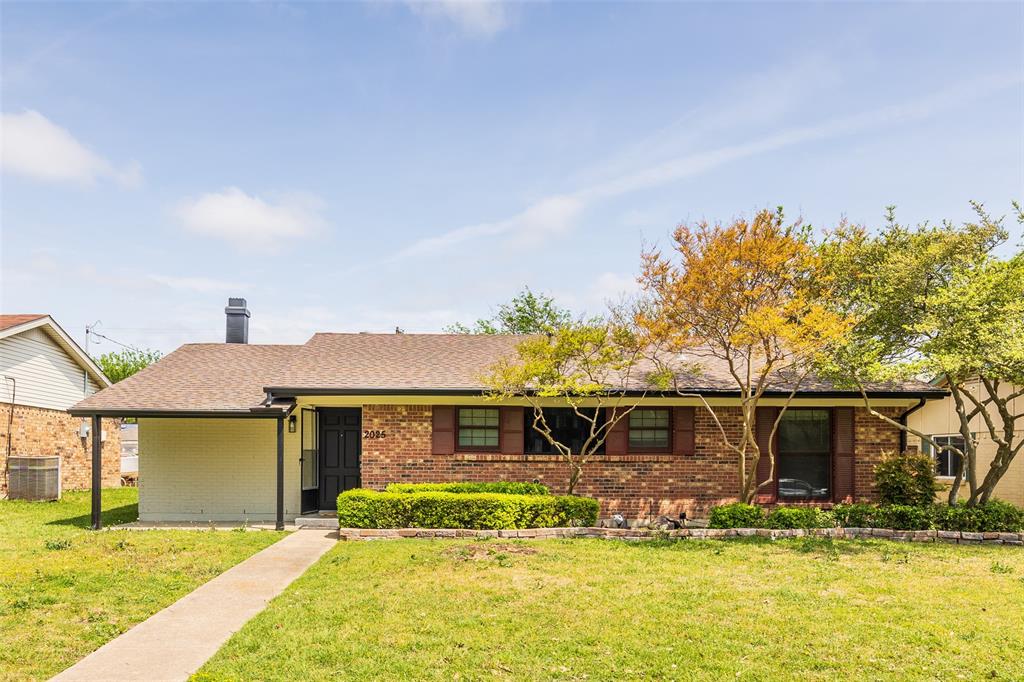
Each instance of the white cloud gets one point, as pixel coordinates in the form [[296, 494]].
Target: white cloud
[[767, 98], [554, 214], [249, 222], [612, 286], [476, 18], [286, 323], [33, 146], [598, 294], [561, 212], [198, 284]]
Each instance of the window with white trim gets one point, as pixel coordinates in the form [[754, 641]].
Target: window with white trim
[[947, 462]]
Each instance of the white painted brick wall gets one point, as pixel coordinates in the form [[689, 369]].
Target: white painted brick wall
[[214, 470]]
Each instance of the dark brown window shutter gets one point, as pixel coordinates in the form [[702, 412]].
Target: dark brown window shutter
[[512, 430], [842, 467], [765, 420], [443, 437], [617, 442], [683, 441]]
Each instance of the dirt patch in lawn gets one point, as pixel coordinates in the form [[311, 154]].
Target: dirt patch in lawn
[[487, 552]]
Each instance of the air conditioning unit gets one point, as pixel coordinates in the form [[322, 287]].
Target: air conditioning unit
[[33, 478]]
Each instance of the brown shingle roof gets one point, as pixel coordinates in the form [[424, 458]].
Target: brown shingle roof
[[201, 377], [396, 361], [8, 321], [232, 377]]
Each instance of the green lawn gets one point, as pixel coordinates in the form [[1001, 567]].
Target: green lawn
[[598, 609], [65, 590]]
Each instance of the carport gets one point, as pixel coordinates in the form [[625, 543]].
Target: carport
[[278, 410]]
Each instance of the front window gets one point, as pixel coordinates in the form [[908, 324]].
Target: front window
[[805, 454], [947, 462], [649, 429], [478, 428], [567, 428]]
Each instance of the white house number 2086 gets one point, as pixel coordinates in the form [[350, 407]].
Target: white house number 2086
[[372, 434]]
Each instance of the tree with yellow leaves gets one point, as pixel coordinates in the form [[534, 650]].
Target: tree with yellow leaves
[[745, 297]]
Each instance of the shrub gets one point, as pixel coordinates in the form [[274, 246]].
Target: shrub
[[902, 517], [907, 479], [362, 508], [506, 487], [571, 510], [736, 515], [800, 517], [860, 515], [994, 516]]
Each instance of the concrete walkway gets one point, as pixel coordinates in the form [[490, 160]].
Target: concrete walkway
[[174, 643]]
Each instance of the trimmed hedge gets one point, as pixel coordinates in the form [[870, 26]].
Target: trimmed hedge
[[799, 517], [902, 517], [506, 487], [741, 515], [854, 515], [994, 516], [361, 508], [736, 515], [894, 516]]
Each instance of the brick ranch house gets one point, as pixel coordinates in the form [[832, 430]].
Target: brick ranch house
[[236, 431], [43, 372]]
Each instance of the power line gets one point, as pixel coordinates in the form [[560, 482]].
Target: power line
[[123, 345], [158, 329]]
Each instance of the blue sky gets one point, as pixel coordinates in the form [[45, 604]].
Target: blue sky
[[353, 167]]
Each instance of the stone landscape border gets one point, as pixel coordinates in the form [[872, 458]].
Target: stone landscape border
[[636, 534]]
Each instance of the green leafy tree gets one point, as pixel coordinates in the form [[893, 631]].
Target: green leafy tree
[[526, 313], [119, 365], [586, 365], [934, 301]]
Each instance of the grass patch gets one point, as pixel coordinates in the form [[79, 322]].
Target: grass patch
[[65, 590], [809, 609]]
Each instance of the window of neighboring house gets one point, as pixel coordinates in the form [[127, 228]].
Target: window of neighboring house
[[805, 455], [478, 428], [649, 429], [567, 427], [947, 463]]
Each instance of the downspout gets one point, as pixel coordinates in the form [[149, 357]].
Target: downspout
[[10, 423], [903, 422], [10, 417]]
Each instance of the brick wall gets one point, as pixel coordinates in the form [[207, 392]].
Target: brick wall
[[38, 431], [872, 438], [634, 485]]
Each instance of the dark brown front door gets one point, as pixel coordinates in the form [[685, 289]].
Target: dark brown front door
[[340, 450]]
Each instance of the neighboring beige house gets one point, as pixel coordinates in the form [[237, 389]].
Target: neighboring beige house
[[43, 372], [939, 419]]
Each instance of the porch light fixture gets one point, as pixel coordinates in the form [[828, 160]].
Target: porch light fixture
[[291, 424]]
